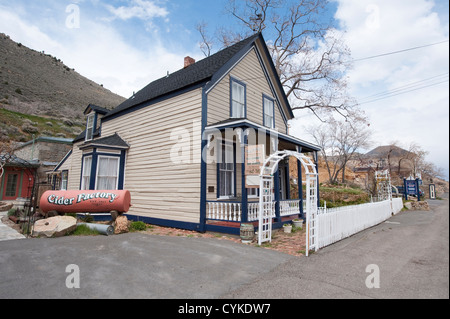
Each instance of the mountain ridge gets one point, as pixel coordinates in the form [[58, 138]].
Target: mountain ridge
[[37, 84]]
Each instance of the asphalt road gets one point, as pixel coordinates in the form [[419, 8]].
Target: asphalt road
[[411, 251], [129, 266]]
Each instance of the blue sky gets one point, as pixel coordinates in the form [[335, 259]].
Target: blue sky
[[128, 43]]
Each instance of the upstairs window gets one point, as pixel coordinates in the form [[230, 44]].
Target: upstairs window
[[269, 118], [238, 98], [90, 127]]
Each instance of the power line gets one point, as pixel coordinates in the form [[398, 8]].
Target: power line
[[395, 52], [405, 87], [399, 93]]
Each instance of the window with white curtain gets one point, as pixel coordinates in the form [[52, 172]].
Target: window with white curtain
[[237, 100], [268, 113], [226, 171], [86, 174], [107, 173]]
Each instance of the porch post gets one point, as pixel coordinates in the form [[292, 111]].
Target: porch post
[[288, 180], [316, 162], [300, 187], [244, 210], [276, 189], [299, 183]]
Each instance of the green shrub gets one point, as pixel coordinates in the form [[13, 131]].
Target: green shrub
[[138, 226], [84, 230]]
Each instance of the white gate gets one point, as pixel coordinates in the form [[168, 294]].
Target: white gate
[[265, 199]]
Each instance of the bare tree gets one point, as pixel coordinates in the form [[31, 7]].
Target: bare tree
[[308, 53], [340, 141], [206, 43]]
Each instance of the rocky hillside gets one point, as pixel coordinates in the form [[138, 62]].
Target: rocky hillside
[[38, 93]]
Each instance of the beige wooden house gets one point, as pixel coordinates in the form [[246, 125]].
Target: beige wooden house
[[178, 144]]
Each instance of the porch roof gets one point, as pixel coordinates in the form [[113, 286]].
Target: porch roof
[[113, 141], [242, 122]]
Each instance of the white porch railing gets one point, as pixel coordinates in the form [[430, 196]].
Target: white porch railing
[[232, 211], [253, 211], [289, 207]]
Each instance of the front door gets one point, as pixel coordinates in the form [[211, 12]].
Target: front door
[[11, 186]]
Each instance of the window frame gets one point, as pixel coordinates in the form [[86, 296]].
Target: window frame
[[90, 130], [252, 195], [116, 187], [271, 100], [244, 103], [64, 182], [83, 183], [15, 184], [223, 148]]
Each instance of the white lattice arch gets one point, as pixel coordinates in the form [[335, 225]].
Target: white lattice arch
[[265, 199]]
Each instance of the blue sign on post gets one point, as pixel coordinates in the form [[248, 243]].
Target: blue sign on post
[[412, 188]]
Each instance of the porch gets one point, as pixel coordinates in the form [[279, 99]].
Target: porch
[[232, 211], [231, 199]]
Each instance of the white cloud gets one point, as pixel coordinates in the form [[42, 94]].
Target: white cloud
[[20, 31], [98, 51], [420, 116], [141, 9]]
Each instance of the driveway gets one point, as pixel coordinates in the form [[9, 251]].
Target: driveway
[[130, 266]]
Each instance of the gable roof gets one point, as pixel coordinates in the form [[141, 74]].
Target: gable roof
[[95, 108], [196, 74]]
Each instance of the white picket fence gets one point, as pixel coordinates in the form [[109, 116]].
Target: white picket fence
[[338, 223]]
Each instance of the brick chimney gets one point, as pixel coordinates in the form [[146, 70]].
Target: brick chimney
[[188, 61]]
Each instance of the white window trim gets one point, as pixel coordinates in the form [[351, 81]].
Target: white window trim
[[243, 104], [272, 124], [233, 191], [82, 173], [90, 116], [253, 196], [62, 180], [117, 173]]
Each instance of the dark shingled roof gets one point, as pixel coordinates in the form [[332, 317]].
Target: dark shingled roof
[[199, 72], [112, 141], [97, 109]]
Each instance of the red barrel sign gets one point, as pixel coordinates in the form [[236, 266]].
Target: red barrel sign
[[85, 201]]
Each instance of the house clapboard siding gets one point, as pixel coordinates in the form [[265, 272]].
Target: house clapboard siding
[[161, 185], [157, 137], [73, 164], [249, 71]]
